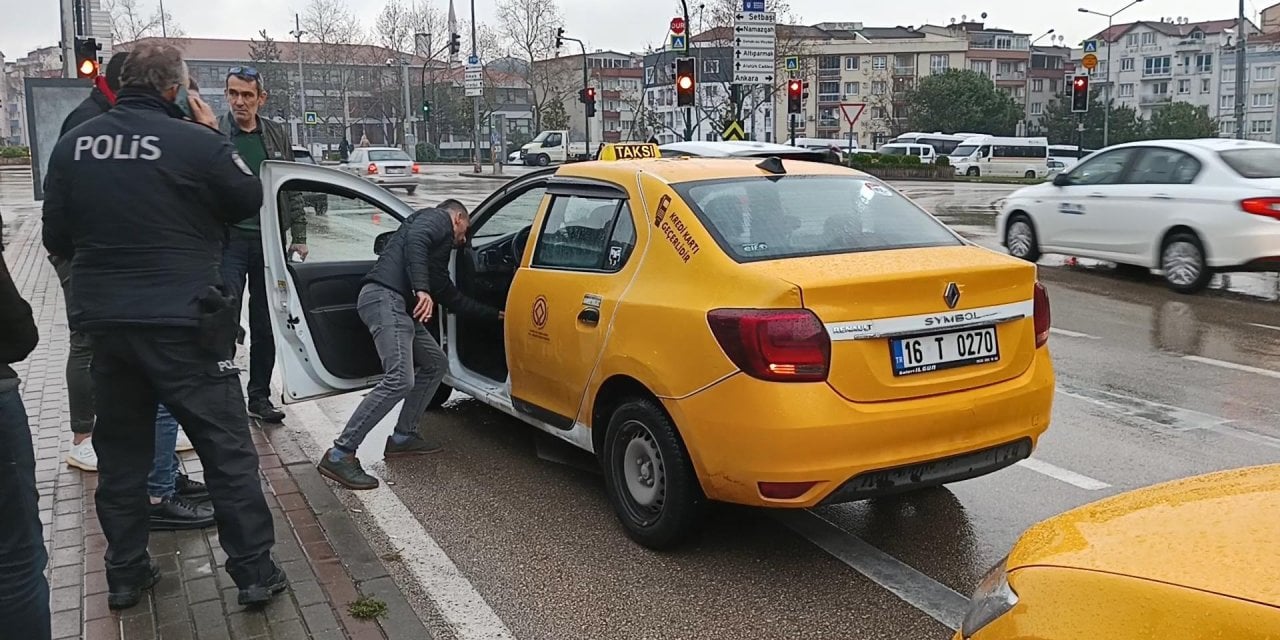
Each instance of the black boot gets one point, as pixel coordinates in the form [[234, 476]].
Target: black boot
[[123, 595], [256, 595], [191, 490], [346, 472], [262, 409], [174, 514]]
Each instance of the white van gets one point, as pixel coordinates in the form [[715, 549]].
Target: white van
[[1007, 157], [942, 143], [926, 153], [1068, 154]]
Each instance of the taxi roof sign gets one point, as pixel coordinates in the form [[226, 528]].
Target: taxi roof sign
[[630, 151]]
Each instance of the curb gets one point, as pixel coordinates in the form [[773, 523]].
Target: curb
[[485, 176]]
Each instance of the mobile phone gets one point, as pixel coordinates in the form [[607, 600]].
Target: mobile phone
[[183, 102]]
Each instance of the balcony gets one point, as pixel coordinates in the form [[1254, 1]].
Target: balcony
[[611, 115], [828, 98], [611, 94], [1163, 74], [829, 73], [1152, 100], [828, 123], [904, 71], [1011, 76], [612, 136]]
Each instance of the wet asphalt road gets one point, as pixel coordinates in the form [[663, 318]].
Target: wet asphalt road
[[1151, 386]]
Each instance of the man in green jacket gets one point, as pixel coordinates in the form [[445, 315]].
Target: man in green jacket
[[257, 139]]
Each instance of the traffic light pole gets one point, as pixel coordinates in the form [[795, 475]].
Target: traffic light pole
[[586, 109], [475, 102], [431, 57]]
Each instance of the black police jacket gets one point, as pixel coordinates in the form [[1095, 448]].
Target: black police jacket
[[416, 258], [140, 200]]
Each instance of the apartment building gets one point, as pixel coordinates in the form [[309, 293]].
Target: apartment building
[[618, 80], [1157, 62], [45, 62], [1048, 78], [1002, 55], [1262, 97]]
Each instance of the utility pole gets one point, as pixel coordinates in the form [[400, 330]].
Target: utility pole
[[297, 34], [1241, 72], [475, 102], [408, 122], [1109, 38], [582, 97], [164, 26], [69, 33]]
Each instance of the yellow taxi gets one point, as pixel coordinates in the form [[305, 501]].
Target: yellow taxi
[[774, 333], [1186, 560]]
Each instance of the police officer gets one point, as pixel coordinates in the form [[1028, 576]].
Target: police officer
[[140, 198]]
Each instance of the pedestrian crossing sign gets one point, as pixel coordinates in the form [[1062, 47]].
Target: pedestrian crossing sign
[[310, 118], [1090, 46]]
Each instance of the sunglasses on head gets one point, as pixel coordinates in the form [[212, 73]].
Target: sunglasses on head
[[248, 72]]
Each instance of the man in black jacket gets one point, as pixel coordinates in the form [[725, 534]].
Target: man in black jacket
[[24, 592], [141, 198], [396, 302], [101, 98]]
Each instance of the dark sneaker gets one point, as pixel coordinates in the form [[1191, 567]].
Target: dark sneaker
[[175, 514], [124, 596], [191, 490], [257, 595], [346, 472], [415, 446], [262, 409]]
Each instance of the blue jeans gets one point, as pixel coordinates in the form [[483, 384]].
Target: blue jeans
[[164, 469], [242, 263], [24, 592]]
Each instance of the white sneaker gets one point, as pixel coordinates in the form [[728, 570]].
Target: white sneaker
[[184, 444], [83, 457]]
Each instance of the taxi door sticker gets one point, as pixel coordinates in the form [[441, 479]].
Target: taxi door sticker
[[539, 315]]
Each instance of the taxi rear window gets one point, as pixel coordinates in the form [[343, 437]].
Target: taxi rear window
[[762, 219]]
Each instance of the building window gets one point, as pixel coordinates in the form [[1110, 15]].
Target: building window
[[1264, 74], [1156, 66], [711, 66], [1126, 91], [878, 87], [981, 66], [1204, 85], [828, 87], [1228, 76], [1226, 127], [1263, 100], [852, 88], [829, 62], [1131, 40], [1037, 108], [939, 63], [1257, 127], [1228, 101], [1204, 63], [1184, 86], [1160, 88], [1149, 38], [1037, 85], [1126, 64], [879, 63], [851, 63], [1053, 85]]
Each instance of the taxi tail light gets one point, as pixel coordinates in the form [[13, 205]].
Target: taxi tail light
[[1269, 207], [780, 345], [1042, 319], [373, 168]]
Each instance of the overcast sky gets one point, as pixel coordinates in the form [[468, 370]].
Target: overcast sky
[[630, 25]]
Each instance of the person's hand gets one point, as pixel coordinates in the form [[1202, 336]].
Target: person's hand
[[201, 112], [301, 250], [422, 311]]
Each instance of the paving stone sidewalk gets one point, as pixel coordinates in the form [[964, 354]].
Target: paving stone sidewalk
[[328, 561]]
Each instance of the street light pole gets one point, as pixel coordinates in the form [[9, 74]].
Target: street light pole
[[475, 102], [1106, 112], [297, 34], [585, 118], [1241, 71]]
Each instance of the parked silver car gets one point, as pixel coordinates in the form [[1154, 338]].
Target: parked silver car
[[387, 167]]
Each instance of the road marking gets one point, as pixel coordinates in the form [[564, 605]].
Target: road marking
[[1166, 417], [1065, 475], [1072, 334], [1231, 365], [1264, 326], [453, 595], [915, 588]]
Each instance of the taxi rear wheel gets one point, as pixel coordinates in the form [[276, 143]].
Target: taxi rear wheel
[[1020, 238], [649, 477]]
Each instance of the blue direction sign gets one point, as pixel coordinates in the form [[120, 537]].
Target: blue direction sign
[[1090, 46], [753, 5], [473, 59], [793, 63], [677, 42]]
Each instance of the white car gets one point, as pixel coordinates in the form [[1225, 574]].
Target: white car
[[742, 149], [1188, 208], [387, 167]]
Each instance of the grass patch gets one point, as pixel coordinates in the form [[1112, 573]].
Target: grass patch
[[366, 608]]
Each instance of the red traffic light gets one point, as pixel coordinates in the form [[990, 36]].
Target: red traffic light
[[88, 69], [1080, 82], [685, 83], [677, 25], [793, 87], [591, 93]]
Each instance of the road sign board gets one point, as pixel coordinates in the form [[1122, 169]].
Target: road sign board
[[793, 63], [754, 54], [1089, 61], [757, 16], [754, 29], [1090, 46], [473, 79], [753, 5], [677, 25], [753, 66], [852, 110], [754, 46], [310, 118], [677, 42], [750, 77], [754, 41], [733, 131]]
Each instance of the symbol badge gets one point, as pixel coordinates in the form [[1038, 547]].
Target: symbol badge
[[540, 313], [952, 295]]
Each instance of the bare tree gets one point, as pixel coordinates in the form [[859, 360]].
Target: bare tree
[[265, 54], [331, 24], [130, 22], [528, 27]]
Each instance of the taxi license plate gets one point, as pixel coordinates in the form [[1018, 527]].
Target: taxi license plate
[[921, 354], [395, 171]]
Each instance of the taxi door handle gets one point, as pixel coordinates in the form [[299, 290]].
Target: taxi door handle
[[1162, 196], [1097, 195], [589, 315]]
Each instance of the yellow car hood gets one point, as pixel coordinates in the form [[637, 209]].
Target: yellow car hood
[[1218, 533]]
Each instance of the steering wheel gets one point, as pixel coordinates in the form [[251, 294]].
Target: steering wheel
[[518, 244]]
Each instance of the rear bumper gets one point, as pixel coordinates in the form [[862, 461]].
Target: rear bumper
[[394, 181], [1254, 249], [744, 431]]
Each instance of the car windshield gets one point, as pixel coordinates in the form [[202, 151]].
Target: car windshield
[[890, 150], [1254, 163], [388, 154], [541, 136], [964, 150], [766, 219]]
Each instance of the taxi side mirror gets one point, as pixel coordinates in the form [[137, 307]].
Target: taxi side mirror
[[1062, 180], [380, 242]]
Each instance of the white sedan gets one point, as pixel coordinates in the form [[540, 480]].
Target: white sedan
[[1188, 208]]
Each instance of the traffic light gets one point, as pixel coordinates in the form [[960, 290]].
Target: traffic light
[[455, 44], [86, 57], [794, 89], [426, 109], [559, 37], [588, 97], [1080, 94], [684, 82]]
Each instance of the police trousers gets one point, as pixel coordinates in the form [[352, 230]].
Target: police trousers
[[133, 369]]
